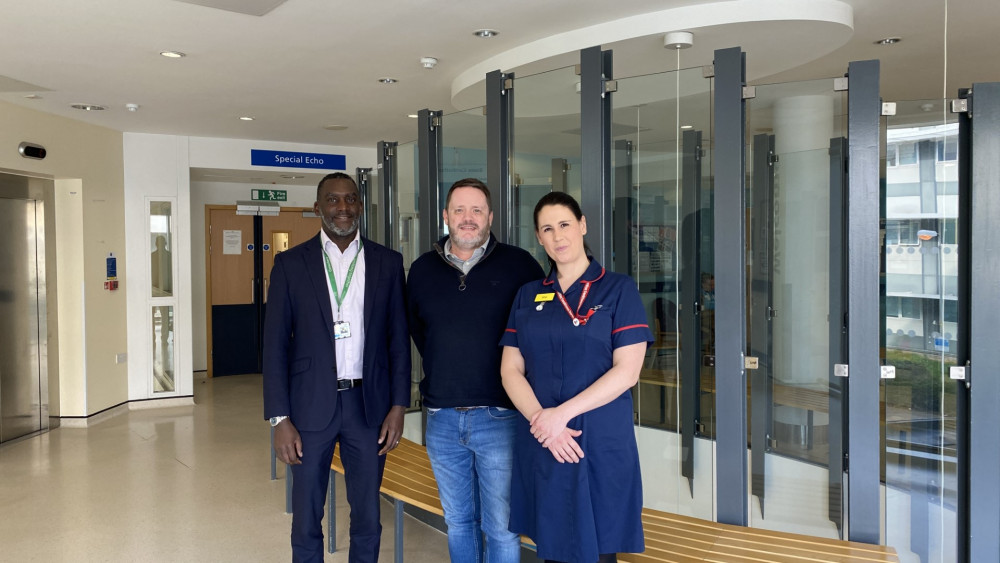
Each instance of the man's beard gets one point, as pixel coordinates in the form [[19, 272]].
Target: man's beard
[[469, 244], [330, 224]]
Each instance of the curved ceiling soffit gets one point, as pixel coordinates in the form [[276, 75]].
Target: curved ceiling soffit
[[828, 25]]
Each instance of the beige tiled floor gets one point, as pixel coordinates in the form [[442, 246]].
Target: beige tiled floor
[[176, 484]]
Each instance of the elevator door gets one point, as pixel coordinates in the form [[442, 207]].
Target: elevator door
[[20, 374]]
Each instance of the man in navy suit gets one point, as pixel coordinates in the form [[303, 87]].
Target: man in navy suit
[[336, 368]]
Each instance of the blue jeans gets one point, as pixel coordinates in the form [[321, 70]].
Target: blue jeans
[[471, 453]]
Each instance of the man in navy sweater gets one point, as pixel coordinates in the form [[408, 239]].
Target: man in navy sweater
[[459, 298]]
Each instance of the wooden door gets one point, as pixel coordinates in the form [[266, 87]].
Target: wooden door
[[233, 315]]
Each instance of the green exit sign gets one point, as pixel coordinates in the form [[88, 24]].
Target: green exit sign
[[269, 195]]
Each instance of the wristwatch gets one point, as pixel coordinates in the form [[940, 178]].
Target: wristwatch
[[276, 420]]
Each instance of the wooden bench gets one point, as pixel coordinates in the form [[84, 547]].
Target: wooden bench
[[685, 539], [408, 479]]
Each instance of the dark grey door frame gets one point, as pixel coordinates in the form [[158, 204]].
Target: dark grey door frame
[[984, 354], [761, 310], [837, 429], [362, 176], [864, 111], [429, 173], [730, 287], [499, 126], [388, 188], [595, 149], [689, 295]]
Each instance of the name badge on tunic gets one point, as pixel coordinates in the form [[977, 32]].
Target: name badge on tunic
[[544, 297], [341, 330]]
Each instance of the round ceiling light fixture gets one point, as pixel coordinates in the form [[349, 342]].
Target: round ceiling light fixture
[[678, 40], [428, 62], [687, 127], [246, 118], [89, 107], [387, 80], [413, 116], [173, 54], [889, 41], [486, 33]]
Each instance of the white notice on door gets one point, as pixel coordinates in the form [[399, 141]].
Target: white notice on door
[[232, 242]]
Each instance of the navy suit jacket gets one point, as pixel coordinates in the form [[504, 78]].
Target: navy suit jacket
[[300, 366]]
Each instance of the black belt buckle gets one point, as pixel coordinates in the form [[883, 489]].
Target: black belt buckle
[[345, 384]]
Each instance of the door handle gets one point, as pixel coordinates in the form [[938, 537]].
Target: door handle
[[253, 300], [265, 290]]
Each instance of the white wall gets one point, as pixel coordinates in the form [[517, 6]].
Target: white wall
[[156, 168], [85, 222]]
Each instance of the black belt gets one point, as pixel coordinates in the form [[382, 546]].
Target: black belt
[[345, 384], [464, 409]]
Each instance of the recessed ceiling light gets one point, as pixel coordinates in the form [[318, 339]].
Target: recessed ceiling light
[[387, 80], [486, 33], [413, 115], [88, 107], [334, 127], [889, 41], [173, 54], [33, 97], [246, 118], [686, 127]]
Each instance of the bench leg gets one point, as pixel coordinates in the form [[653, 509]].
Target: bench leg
[[331, 513], [399, 530], [288, 489]]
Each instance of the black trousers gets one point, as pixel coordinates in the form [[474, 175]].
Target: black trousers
[[363, 469]]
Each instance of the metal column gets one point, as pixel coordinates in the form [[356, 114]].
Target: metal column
[[837, 436], [499, 116], [595, 149], [730, 287], [429, 190], [690, 301], [863, 251], [761, 307], [386, 152], [363, 178], [984, 411], [964, 290]]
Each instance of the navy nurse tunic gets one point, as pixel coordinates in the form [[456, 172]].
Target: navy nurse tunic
[[576, 511]]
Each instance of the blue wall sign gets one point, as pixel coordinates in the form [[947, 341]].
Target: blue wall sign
[[285, 159]]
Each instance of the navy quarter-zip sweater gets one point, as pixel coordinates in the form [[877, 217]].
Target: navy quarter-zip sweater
[[456, 322]]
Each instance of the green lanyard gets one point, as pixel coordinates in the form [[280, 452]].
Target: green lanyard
[[350, 274]]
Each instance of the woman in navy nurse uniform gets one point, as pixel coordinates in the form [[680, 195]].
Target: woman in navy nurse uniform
[[573, 348]]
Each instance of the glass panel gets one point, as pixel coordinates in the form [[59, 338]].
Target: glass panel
[[163, 348], [659, 122], [921, 309], [788, 317], [161, 267], [463, 148], [407, 204], [407, 195], [546, 148]]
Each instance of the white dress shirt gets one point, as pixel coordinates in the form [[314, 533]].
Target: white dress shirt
[[349, 351]]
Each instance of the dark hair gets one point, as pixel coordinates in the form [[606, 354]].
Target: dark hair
[[567, 201], [470, 183], [336, 176]]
